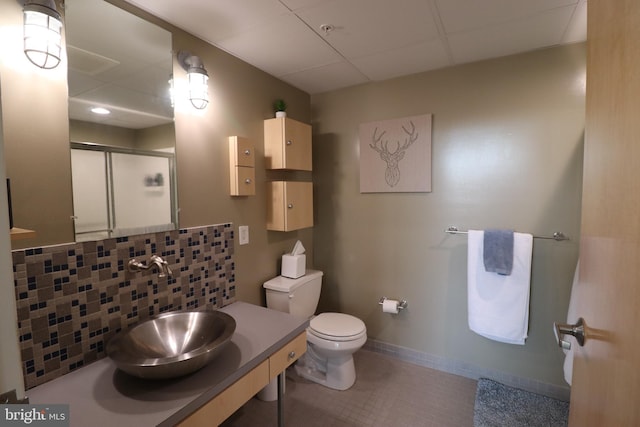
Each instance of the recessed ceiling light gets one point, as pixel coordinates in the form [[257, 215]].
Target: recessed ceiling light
[[100, 110]]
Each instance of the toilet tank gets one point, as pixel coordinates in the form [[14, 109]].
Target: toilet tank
[[295, 296]]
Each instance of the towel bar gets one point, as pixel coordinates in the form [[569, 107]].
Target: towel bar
[[557, 236]]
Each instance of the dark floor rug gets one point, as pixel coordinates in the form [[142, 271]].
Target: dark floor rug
[[498, 405]]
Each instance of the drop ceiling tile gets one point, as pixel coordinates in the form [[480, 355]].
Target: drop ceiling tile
[[535, 32], [326, 78], [463, 15], [364, 27], [92, 30], [80, 83], [282, 46], [80, 110], [299, 4], [412, 59], [151, 80], [577, 30], [213, 20], [119, 98]]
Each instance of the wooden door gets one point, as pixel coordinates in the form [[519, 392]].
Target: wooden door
[[606, 379]]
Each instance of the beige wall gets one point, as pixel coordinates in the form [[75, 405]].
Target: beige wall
[[507, 153], [153, 138], [97, 133], [10, 377], [156, 137], [36, 138], [240, 99]]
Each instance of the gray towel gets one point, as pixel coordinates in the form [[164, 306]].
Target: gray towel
[[498, 251]]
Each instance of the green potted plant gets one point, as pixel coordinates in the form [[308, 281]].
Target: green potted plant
[[279, 106]]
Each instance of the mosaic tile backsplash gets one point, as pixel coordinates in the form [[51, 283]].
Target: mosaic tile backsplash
[[71, 299]]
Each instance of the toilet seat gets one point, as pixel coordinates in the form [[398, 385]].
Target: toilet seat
[[337, 327]]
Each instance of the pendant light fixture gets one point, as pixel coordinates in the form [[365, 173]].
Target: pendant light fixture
[[42, 33], [198, 79]]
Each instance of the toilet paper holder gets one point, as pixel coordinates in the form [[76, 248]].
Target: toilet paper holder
[[402, 304]]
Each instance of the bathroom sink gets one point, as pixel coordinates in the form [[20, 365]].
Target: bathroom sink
[[171, 344]]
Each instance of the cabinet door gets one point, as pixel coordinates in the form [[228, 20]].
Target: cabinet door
[[299, 205], [243, 181], [241, 152], [287, 144], [289, 205], [297, 145]]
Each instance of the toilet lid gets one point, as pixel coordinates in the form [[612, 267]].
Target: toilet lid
[[336, 325]]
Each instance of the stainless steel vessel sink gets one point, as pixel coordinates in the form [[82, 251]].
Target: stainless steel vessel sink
[[171, 344]]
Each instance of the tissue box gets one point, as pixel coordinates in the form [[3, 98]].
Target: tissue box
[[293, 266]]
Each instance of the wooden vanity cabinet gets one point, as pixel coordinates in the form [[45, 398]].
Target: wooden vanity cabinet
[[289, 205], [288, 354], [231, 399], [237, 394], [287, 144]]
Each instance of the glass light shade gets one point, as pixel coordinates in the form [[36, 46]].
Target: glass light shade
[[198, 89], [42, 35]]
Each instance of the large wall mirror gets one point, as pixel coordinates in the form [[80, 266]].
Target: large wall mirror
[[123, 165]]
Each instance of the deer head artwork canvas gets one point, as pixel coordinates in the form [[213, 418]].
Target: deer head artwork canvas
[[395, 155]]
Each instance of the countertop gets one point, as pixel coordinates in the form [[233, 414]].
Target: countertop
[[101, 395]]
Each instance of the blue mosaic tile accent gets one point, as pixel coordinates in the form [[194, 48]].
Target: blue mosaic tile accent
[[71, 299]]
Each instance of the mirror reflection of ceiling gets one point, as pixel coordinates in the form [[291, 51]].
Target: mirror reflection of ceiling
[[117, 61]]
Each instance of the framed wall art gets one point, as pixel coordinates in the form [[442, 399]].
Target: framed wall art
[[395, 155]]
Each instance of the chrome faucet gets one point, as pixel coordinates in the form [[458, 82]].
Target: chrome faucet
[[161, 265]]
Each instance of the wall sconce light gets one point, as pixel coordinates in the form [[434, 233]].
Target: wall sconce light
[[42, 33], [198, 78]]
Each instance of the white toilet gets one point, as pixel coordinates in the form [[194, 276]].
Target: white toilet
[[332, 338]]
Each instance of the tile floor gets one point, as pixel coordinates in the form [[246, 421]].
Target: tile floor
[[387, 393]]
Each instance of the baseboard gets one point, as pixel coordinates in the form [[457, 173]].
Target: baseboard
[[467, 370]]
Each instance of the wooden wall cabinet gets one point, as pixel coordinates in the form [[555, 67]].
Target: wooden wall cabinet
[[242, 173], [289, 205], [287, 144]]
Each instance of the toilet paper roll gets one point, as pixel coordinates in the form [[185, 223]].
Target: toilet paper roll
[[390, 306]]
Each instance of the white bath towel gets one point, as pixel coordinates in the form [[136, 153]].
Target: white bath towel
[[498, 305]]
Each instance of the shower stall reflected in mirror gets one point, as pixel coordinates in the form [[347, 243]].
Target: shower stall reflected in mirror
[[120, 192]]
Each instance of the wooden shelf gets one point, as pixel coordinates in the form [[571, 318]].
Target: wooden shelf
[[22, 233]]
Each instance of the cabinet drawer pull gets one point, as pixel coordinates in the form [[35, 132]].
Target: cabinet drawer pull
[[247, 152], [290, 205], [289, 142], [247, 181], [292, 355]]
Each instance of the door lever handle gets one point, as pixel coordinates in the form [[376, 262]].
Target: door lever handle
[[577, 330]]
